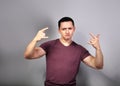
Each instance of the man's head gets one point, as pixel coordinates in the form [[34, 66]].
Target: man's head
[[65, 19], [66, 28]]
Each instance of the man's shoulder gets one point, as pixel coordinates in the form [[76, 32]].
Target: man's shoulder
[[48, 43], [77, 45]]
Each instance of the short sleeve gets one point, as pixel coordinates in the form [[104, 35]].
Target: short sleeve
[[84, 54], [45, 46]]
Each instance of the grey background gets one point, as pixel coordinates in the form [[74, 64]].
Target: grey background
[[21, 19]]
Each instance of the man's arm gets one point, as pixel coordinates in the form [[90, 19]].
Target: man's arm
[[97, 60], [32, 51]]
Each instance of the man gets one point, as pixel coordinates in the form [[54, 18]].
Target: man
[[63, 56]]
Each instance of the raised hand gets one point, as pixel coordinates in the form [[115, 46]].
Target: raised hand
[[94, 41], [41, 34]]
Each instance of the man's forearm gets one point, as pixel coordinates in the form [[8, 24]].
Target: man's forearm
[[99, 59]]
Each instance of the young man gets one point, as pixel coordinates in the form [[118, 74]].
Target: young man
[[63, 56]]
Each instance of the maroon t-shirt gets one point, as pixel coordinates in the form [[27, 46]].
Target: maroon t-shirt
[[62, 62]]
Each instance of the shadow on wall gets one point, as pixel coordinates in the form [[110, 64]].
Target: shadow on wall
[[111, 81], [97, 77], [81, 79], [18, 27]]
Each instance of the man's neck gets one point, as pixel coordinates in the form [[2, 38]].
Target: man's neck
[[65, 42]]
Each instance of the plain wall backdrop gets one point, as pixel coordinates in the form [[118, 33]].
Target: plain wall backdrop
[[21, 19]]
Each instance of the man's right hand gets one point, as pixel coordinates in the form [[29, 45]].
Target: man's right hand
[[41, 34]]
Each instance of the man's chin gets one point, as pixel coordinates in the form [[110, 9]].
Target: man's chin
[[67, 38]]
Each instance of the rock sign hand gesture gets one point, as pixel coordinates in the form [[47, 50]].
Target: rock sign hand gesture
[[41, 34], [94, 41]]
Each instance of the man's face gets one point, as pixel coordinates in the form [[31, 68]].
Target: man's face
[[66, 30]]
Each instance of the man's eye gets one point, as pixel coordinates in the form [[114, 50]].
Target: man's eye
[[63, 28], [69, 28]]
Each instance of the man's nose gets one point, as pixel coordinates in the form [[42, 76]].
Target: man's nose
[[67, 31]]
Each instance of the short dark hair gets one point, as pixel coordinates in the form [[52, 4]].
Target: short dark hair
[[65, 19]]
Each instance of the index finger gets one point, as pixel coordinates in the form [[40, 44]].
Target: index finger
[[92, 35], [44, 29]]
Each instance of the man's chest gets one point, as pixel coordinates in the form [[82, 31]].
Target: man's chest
[[68, 55]]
